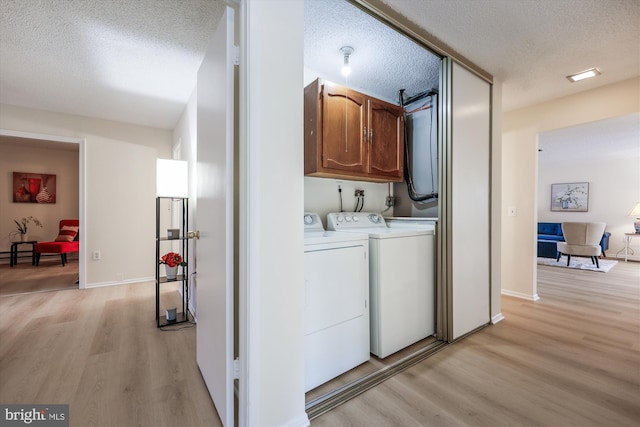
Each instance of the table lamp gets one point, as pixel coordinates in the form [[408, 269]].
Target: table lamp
[[172, 178], [636, 213]]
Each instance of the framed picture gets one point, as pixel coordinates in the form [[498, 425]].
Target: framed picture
[[34, 187], [570, 197]]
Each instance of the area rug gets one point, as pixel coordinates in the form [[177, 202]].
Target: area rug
[[579, 263]]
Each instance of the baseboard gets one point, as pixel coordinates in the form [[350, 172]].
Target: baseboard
[[533, 297], [119, 282], [629, 258], [497, 318]]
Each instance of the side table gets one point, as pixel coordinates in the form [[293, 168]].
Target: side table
[[14, 252], [627, 241]]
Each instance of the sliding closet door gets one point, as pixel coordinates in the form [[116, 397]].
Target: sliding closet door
[[466, 209]]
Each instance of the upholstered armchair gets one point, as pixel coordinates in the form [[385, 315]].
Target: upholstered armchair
[[581, 239], [65, 242]]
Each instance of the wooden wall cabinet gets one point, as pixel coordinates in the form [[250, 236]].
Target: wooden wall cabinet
[[350, 135]]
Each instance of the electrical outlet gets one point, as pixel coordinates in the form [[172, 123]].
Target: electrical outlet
[[390, 201], [95, 255], [512, 211], [359, 193]]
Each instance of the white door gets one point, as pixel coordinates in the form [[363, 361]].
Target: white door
[[214, 219], [467, 214]]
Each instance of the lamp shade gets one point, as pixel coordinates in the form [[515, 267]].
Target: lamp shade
[[172, 178]]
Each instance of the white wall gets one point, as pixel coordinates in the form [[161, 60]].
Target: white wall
[[119, 188], [321, 196], [606, 154], [520, 170], [271, 135], [120, 212], [62, 163]]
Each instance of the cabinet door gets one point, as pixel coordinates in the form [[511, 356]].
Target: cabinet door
[[343, 148], [386, 139]]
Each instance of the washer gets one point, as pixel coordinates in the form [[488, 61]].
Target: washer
[[401, 279], [336, 272]]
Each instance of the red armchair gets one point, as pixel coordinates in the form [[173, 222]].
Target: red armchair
[[66, 242]]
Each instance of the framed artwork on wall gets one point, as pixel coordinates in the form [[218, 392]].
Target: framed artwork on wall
[[570, 197], [34, 187]]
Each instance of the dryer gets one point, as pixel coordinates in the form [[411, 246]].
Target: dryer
[[412, 222], [336, 274], [401, 279]]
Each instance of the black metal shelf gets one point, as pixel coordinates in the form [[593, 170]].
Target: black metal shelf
[[179, 278], [183, 279]]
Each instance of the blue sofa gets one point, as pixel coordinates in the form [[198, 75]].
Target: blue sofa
[[550, 233]]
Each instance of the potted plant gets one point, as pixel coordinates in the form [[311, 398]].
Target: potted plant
[[171, 261], [22, 226]]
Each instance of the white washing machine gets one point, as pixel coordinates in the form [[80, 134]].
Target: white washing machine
[[336, 273], [401, 279]]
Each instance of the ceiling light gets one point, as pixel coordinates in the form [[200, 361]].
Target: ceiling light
[[592, 72], [346, 52]]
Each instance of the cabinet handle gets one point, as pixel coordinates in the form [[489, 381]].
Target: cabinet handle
[[364, 134], [370, 135]]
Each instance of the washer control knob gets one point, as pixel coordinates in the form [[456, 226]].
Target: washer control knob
[[355, 219], [347, 218], [339, 218], [374, 218], [308, 219]]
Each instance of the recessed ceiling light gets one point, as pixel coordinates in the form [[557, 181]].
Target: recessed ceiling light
[[592, 72]]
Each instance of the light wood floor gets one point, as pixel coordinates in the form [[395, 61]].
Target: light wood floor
[[99, 351], [373, 365], [570, 359], [48, 276]]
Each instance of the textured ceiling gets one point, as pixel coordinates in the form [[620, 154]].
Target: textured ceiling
[[136, 61], [383, 60], [531, 45], [133, 61]]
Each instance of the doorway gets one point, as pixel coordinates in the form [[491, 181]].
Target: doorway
[[463, 302], [392, 68], [574, 153], [60, 156]]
